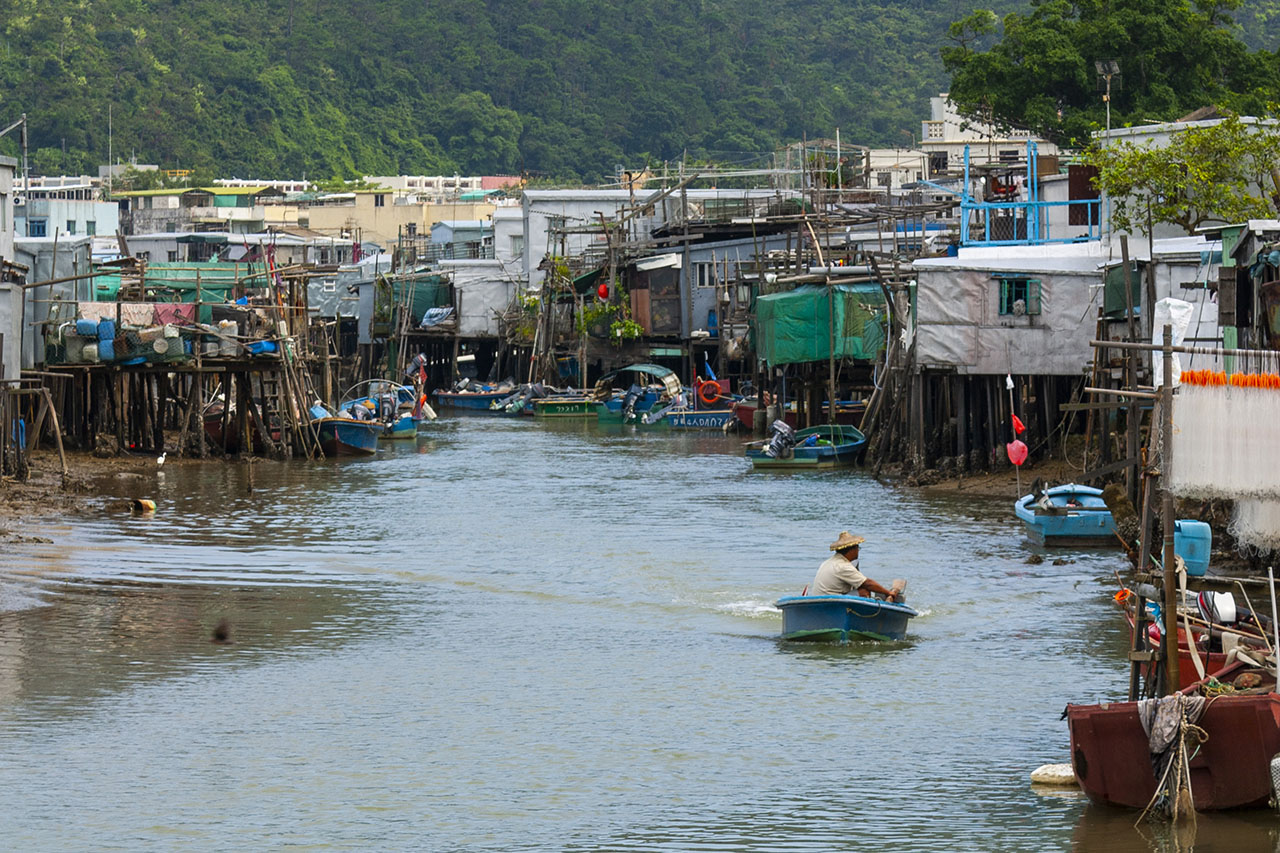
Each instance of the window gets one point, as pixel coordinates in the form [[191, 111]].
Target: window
[[704, 275], [517, 245], [37, 228], [173, 255], [411, 229], [380, 200], [884, 179], [937, 162], [71, 226], [1019, 296], [90, 227], [329, 287], [1009, 155], [143, 256]]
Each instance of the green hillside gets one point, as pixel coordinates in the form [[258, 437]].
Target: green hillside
[[557, 88]]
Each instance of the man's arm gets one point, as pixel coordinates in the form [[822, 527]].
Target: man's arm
[[878, 589]]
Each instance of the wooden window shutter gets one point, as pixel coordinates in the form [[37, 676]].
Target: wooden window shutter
[[1080, 188]]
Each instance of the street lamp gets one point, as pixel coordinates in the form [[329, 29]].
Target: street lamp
[[1107, 68]]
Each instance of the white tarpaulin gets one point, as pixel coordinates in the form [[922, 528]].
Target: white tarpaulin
[[1175, 312]]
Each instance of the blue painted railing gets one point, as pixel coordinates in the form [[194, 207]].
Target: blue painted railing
[[1029, 218]]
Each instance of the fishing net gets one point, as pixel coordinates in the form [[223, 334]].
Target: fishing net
[[1225, 435], [1256, 523]]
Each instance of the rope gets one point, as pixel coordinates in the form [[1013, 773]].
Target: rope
[[1178, 801], [879, 607]]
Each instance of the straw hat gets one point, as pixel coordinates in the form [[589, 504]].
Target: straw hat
[[846, 540]]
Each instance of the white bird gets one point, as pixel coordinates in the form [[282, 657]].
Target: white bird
[[160, 458]]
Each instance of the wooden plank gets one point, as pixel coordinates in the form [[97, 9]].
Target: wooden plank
[[1098, 473], [1085, 407]]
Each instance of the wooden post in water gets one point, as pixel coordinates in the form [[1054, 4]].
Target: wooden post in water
[[1166, 510]]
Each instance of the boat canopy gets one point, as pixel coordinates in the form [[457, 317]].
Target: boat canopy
[[667, 377]]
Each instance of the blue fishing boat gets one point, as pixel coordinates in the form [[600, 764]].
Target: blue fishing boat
[[841, 618], [341, 436], [662, 387], [473, 396], [1069, 514], [398, 407], [826, 446], [700, 418]]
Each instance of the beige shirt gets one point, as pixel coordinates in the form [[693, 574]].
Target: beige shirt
[[836, 576]]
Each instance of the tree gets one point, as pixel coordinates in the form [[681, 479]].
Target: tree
[[1211, 173], [1038, 70]]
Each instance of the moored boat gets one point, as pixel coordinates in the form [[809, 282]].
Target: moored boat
[[472, 396], [1069, 514], [617, 406], [699, 418], [397, 407], [567, 406], [345, 436], [826, 446], [841, 618], [848, 412], [1230, 769]]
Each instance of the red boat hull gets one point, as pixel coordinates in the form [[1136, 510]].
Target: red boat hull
[[1111, 759], [849, 414]]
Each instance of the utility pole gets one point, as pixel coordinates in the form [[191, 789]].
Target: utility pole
[[26, 173]]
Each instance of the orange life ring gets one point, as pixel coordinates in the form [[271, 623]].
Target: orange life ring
[[715, 392]]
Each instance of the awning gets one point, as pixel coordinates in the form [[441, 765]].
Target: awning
[[665, 375], [587, 281], [658, 262]]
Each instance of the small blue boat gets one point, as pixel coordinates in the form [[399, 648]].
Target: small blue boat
[[348, 437], [473, 396], [699, 418], [826, 446], [841, 618], [1069, 514], [396, 406]]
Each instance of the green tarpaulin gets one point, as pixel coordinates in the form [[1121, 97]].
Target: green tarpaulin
[[795, 327], [208, 282]]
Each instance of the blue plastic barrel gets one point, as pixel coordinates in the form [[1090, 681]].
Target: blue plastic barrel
[[107, 348], [107, 330], [1192, 541], [87, 328]]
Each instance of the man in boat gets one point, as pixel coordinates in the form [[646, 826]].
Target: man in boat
[[840, 575]]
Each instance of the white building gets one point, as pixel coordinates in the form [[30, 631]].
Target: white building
[[10, 291], [54, 207], [946, 134]]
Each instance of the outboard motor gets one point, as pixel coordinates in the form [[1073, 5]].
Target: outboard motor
[[781, 442], [386, 407], [629, 401]]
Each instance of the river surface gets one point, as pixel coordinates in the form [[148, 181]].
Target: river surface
[[515, 635]]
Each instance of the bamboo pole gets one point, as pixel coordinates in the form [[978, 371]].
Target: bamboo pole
[[1170, 576]]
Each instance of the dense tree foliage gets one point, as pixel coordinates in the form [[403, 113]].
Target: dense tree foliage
[[558, 88], [1220, 173], [1039, 70]]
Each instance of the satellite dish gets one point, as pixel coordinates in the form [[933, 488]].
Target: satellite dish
[[1019, 307]]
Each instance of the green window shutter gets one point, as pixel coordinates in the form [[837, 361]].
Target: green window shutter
[[1033, 297], [1005, 301]]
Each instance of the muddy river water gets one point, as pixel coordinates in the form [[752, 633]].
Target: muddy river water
[[516, 635]]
